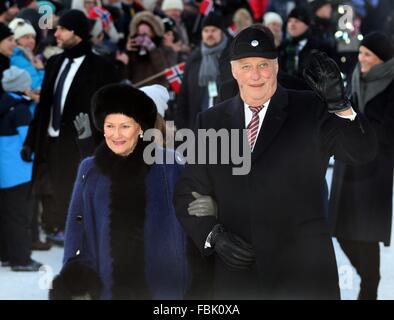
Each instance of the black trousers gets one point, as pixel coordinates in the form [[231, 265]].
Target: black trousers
[[55, 186], [365, 258], [15, 220]]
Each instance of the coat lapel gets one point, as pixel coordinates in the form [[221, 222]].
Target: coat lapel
[[273, 121], [82, 77], [235, 114]]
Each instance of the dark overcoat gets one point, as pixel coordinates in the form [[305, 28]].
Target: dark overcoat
[[361, 196], [279, 206], [93, 73], [95, 225]]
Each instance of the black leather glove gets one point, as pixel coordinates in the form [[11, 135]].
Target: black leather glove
[[324, 77], [26, 154], [235, 252]]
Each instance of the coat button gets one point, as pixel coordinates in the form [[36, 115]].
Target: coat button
[[79, 219], [78, 252], [83, 177]]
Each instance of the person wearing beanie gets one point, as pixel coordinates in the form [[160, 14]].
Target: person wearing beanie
[[172, 5], [174, 9], [323, 26], [8, 10], [200, 84], [70, 80], [361, 196], [241, 220], [7, 45], [15, 174], [23, 56], [140, 245], [274, 22], [300, 42]]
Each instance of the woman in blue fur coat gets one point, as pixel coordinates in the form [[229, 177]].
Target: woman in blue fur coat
[[123, 240]]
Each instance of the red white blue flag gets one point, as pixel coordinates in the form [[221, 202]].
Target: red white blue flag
[[174, 76]]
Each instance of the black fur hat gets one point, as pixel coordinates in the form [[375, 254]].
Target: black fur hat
[[124, 99]]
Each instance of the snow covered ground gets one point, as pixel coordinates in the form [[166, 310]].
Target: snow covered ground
[[34, 286]]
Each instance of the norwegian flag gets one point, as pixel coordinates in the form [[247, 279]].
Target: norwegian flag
[[232, 30], [102, 14], [174, 76], [206, 7]]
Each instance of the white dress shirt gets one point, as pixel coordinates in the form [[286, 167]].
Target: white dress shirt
[[66, 87]]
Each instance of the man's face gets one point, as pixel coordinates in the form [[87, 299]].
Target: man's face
[[296, 27], [65, 38], [211, 36], [324, 12], [256, 79]]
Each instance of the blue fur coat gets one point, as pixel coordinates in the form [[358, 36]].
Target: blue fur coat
[[123, 240]]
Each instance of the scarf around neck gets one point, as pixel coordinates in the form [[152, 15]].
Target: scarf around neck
[[79, 50], [209, 68], [368, 86]]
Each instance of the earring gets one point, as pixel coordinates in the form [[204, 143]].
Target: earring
[[104, 135], [141, 134]]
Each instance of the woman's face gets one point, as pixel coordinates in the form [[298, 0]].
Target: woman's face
[[121, 133], [144, 28], [367, 59], [7, 46], [28, 41]]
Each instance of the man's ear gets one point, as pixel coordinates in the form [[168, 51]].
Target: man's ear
[[233, 69]]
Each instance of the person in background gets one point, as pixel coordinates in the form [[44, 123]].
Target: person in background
[[51, 135], [361, 196], [8, 10], [7, 46], [16, 201], [200, 84], [274, 22]]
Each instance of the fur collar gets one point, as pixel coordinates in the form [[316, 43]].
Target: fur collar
[[127, 214]]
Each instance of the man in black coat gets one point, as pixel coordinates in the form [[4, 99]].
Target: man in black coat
[[200, 84], [270, 238], [70, 80]]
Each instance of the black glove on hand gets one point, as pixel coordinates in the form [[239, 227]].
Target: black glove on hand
[[82, 125], [232, 250], [324, 77], [26, 154]]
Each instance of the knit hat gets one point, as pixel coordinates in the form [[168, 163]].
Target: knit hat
[[159, 95], [213, 19], [172, 4], [21, 28], [300, 13], [255, 41], [317, 4], [16, 80], [124, 99], [271, 17], [5, 32], [379, 44], [75, 20]]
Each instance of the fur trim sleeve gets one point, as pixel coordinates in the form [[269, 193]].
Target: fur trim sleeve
[[76, 281]]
